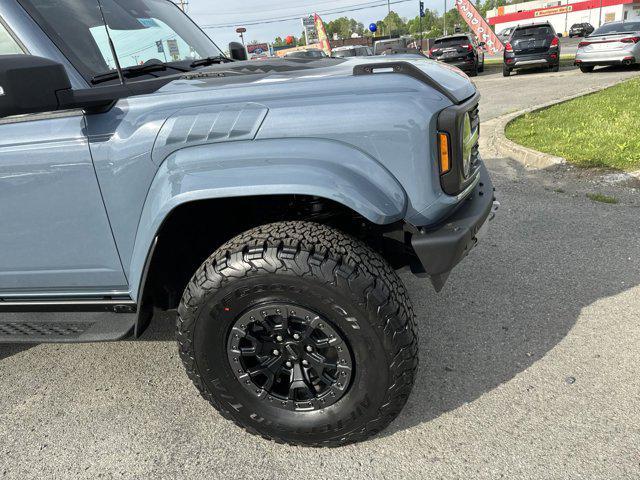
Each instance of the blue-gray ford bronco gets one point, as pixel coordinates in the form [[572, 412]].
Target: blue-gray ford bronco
[[270, 203]]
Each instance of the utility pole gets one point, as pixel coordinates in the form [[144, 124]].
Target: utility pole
[[444, 19], [388, 16], [600, 15]]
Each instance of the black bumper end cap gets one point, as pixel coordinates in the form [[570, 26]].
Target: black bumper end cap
[[440, 250]]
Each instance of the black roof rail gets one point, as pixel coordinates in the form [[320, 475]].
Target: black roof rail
[[403, 68]]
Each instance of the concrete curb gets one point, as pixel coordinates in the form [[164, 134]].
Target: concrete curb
[[495, 140]]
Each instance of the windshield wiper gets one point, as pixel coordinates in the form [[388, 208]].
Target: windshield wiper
[[135, 71], [205, 62]]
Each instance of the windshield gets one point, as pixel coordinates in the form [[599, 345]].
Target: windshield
[[539, 32], [452, 42], [618, 27], [345, 53], [141, 30]]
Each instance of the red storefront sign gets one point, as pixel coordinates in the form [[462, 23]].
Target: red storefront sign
[[561, 10], [479, 26]]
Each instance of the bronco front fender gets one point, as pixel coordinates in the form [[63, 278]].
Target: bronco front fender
[[292, 166]]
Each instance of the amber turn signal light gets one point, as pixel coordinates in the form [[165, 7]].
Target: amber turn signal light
[[445, 160]]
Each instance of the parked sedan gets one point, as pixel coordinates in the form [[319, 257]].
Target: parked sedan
[[614, 43], [532, 46], [580, 30], [462, 51]]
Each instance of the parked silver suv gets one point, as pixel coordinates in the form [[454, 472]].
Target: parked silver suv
[[613, 43]]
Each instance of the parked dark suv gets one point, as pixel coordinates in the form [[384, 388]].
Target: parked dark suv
[[461, 50], [581, 30], [532, 46]]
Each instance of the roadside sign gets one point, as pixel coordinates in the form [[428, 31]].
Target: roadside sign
[[160, 46], [174, 49], [257, 50], [479, 26], [309, 26], [322, 35]]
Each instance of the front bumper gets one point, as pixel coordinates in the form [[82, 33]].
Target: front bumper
[[438, 250]]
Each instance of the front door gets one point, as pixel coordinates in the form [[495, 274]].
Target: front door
[[55, 236]]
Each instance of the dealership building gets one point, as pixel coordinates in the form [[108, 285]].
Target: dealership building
[[564, 13]]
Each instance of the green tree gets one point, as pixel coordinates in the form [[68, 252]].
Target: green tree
[[395, 25], [302, 41], [340, 27]]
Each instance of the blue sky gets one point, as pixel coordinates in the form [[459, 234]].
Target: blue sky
[[215, 12]]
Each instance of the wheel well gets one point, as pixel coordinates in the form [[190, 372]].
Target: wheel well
[[192, 232]]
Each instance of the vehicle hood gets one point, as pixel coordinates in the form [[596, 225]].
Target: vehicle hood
[[453, 81]]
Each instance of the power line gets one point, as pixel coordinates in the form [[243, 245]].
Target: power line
[[315, 4], [379, 3]]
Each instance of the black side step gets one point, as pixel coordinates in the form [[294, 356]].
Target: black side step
[[67, 327]]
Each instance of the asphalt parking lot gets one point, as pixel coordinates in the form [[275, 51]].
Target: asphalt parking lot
[[530, 358]]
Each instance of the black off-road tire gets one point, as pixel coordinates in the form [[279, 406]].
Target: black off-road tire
[[555, 68], [319, 268], [586, 68], [506, 71]]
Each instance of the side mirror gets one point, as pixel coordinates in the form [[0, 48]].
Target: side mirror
[[237, 51], [30, 84]]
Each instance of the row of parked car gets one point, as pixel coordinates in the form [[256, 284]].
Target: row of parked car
[[526, 47], [535, 46]]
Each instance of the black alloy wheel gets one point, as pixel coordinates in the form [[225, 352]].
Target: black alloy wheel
[[290, 356]]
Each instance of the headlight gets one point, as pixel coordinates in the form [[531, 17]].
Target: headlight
[[458, 133], [469, 141]]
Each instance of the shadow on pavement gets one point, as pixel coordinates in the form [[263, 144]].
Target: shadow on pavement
[[548, 256], [7, 350]]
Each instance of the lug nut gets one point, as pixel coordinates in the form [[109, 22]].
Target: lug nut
[[305, 363], [276, 352], [309, 348], [279, 338], [288, 364], [296, 336]]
